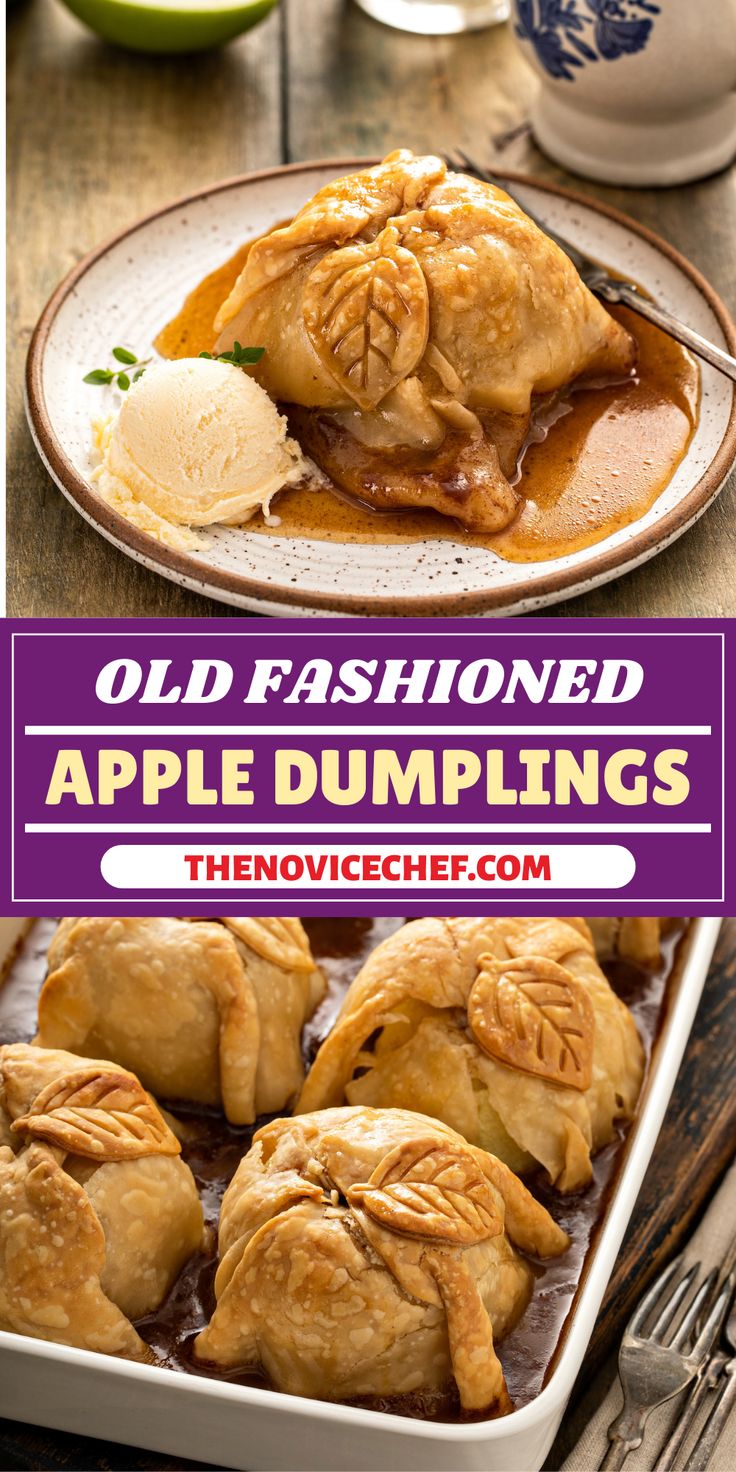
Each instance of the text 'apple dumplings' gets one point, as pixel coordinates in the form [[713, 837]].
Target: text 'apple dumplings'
[[409, 316], [208, 1011], [505, 1029], [98, 1213], [373, 1253]]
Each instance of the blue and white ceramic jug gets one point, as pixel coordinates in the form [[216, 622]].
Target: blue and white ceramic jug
[[638, 92]]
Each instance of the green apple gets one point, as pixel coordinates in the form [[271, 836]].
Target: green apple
[[170, 25]]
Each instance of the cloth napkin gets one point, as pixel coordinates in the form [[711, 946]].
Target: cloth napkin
[[586, 1429]]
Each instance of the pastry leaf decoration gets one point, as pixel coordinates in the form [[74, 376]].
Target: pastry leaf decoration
[[280, 941], [426, 1189], [366, 310], [534, 1015], [105, 1115]]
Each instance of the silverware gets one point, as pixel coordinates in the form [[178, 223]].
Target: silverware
[[661, 1352], [707, 1381], [700, 1457], [609, 288]]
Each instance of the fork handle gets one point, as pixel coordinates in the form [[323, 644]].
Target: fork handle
[[701, 1456], [626, 295], [617, 1453], [625, 1435], [668, 1456]]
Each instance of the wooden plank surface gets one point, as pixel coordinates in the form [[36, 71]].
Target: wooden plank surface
[[98, 136], [693, 1150]]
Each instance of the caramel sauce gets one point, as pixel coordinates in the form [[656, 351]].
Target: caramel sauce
[[191, 331], [598, 469], [212, 1149]]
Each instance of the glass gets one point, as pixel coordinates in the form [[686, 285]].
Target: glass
[[437, 17]]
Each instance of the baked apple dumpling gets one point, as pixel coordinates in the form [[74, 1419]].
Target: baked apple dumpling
[[505, 1029], [208, 1011], [373, 1253], [98, 1213], [411, 317], [634, 938]]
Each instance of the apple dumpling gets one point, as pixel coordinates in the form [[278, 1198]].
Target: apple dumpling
[[412, 318], [373, 1253], [505, 1029], [208, 1011], [634, 938], [98, 1212]]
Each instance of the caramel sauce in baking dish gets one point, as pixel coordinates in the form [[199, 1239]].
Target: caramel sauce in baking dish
[[213, 1149], [597, 469]]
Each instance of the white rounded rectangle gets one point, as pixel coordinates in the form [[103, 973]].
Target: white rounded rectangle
[[341, 866]]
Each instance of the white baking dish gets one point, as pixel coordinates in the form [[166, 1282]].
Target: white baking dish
[[240, 1427]]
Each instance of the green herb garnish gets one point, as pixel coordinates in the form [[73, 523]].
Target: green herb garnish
[[124, 356], [118, 375], [240, 356]]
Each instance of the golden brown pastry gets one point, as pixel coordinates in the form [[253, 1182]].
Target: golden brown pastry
[[410, 315], [630, 938], [373, 1252], [506, 1029], [209, 1011], [98, 1214]]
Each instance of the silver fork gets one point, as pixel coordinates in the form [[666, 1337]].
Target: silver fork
[[702, 1455], [661, 1352], [710, 1378], [609, 288]]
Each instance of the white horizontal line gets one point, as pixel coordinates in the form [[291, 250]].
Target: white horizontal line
[[357, 828], [295, 896], [467, 633], [363, 731]]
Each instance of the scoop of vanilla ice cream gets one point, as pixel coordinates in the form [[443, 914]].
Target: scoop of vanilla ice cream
[[198, 441]]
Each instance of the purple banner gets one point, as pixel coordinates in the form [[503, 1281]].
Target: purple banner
[[369, 764]]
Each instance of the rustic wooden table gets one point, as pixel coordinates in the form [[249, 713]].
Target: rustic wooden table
[[693, 1150], [99, 136]]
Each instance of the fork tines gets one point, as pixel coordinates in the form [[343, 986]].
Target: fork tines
[[666, 1320], [665, 1346]]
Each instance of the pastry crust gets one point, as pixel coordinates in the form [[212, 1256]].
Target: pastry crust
[[632, 938], [401, 310], [207, 1011], [373, 1252], [98, 1213], [505, 1029]]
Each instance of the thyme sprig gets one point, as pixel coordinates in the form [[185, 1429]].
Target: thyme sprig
[[116, 375], [240, 356]]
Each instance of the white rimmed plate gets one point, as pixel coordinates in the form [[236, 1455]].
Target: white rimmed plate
[[127, 290], [241, 1426]]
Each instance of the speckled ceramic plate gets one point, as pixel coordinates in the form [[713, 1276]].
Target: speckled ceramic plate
[[130, 287]]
